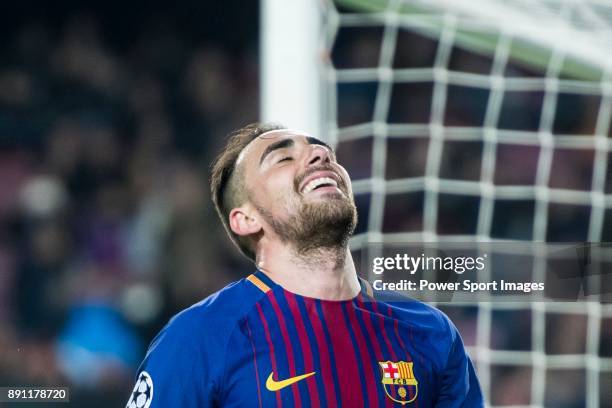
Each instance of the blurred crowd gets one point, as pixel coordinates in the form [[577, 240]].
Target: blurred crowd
[[106, 226], [109, 119]]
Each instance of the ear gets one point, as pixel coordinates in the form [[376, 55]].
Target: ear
[[243, 222]]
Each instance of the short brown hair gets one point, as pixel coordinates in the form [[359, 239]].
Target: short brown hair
[[227, 185]]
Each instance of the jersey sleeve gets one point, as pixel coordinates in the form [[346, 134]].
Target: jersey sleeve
[[174, 373], [460, 386]]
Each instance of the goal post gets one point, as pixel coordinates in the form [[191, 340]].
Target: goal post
[[290, 49]]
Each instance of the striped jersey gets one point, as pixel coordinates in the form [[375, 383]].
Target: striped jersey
[[255, 344]]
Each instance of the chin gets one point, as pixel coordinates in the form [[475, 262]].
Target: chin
[[328, 222]]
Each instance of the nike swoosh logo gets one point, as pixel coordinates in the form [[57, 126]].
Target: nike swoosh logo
[[272, 385]]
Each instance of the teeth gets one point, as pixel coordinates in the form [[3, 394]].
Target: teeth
[[317, 182]]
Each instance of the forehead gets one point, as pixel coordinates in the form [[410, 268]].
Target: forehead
[[256, 147]]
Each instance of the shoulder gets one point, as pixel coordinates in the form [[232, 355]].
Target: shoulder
[[186, 359], [198, 335], [208, 324], [213, 318]]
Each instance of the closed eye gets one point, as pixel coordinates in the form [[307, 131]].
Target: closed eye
[[285, 159]]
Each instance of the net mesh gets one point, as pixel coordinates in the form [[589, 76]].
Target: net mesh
[[488, 121]]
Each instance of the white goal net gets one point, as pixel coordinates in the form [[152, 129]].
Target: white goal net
[[472, 120]]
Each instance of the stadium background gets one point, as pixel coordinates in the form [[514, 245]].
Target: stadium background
[[109, 117]]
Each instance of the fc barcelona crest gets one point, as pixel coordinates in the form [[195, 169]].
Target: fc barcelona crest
[[399, 382]]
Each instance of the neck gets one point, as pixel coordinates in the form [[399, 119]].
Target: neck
[[321, 273]]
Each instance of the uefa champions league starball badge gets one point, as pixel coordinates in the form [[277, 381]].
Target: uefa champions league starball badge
[[142, 395]]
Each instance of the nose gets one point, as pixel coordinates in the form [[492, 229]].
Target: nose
[[318, 154]]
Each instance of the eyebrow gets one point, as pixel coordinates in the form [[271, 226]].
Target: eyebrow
[[281, 144]]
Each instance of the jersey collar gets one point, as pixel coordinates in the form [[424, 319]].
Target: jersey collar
[[265, 284]]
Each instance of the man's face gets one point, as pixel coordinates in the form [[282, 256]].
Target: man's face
[[298, 188]]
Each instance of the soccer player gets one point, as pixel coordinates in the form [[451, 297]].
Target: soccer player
[[303, 329]]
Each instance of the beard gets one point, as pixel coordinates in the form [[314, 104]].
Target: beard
[[324, 223]]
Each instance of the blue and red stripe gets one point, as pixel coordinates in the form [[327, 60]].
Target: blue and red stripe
[[298, 329], [288, 347], [375, 343], [325, 343], [264, 322], [321, 354]]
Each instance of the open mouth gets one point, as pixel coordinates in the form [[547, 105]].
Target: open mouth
[[320, 183]]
